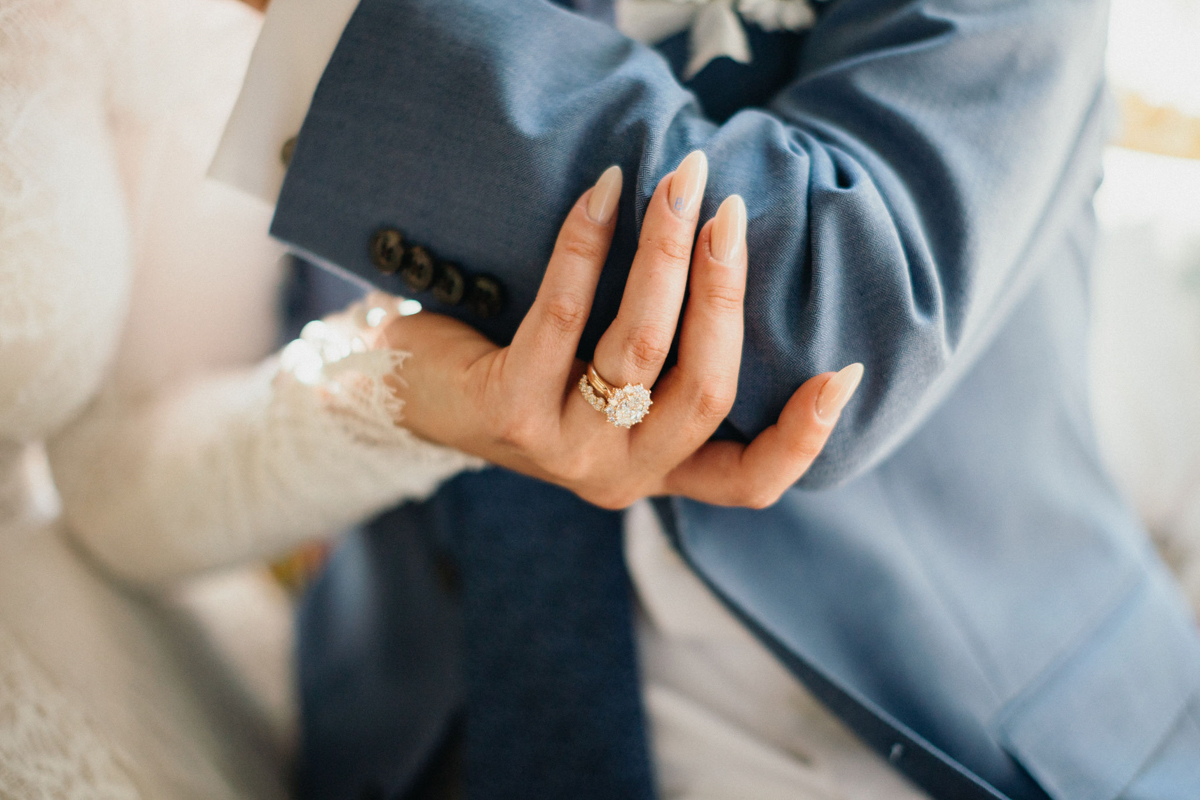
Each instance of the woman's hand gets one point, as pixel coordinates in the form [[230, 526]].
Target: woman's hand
[[520, 406]]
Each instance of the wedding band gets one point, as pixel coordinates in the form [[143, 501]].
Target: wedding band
[[599, 385], [624, 407]]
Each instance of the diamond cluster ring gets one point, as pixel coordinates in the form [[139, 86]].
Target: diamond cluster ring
[[624, 407]]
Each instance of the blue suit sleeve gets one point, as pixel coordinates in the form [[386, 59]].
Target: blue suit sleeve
[[904, 190]]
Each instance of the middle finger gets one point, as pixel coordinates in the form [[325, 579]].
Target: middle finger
[[635, 346]]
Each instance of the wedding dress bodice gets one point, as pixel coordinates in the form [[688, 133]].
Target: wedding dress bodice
[[136, 327]]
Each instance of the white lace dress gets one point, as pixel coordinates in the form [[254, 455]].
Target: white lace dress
[[136, 323]]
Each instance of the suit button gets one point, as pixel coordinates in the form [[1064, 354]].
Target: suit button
[[450, 286], [486, 298], [419, 269], [387, 250]]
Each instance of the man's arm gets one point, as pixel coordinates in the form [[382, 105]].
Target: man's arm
[[903, 191]]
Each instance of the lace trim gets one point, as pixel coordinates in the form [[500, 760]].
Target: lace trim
[[48, 749], [350, 379]]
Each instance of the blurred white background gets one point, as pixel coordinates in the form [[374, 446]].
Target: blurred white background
[[1146, 342]]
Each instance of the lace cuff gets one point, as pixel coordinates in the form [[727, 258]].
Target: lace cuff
[[349, 379], [247, 464], [353, 382]]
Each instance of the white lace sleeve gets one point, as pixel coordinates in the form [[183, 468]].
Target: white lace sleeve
[[243, 465], [64, 264], [106, 113]]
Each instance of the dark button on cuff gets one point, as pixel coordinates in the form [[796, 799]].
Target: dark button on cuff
[[288, 149], [450, 286], [387, 250], [486, 298], [419, 269]]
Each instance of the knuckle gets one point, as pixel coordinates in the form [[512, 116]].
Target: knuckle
[[565, 312], [672, 249], [515, 430], [646, 348], [713, 399], [807, 448], [722, 297], [585, 248]]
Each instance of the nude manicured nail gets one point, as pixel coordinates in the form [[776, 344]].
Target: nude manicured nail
[[605, 196], [687, 184], [729, 229], [837, 391]]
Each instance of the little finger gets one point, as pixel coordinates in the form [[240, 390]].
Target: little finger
[[757, 475]]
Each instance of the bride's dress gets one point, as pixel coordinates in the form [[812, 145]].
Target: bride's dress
[[136, 321]]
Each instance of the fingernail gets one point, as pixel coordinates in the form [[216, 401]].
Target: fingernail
[[837, 391], [729, 229], [605, 196], [687, 184]]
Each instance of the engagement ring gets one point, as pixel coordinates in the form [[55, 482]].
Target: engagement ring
[[624, 407]]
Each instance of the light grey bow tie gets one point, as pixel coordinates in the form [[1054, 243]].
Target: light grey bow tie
[[714, 26]]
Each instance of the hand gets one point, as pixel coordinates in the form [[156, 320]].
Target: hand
[[520, 406]]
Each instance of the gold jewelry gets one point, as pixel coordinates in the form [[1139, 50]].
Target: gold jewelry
[[599, 385], [624, 407]]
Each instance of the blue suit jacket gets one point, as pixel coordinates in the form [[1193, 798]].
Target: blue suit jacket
[[918, 176]]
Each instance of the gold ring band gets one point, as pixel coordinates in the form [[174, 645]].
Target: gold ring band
[[624, 407], [599, 385]]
